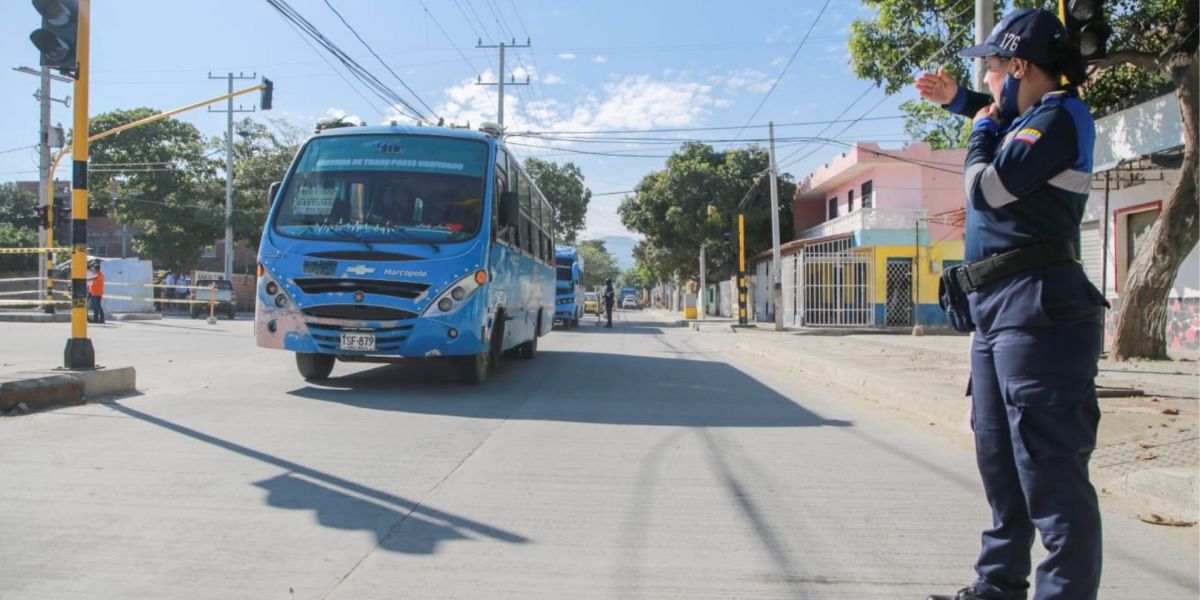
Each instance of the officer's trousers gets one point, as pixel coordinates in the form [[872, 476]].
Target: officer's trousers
[[1035, 414]]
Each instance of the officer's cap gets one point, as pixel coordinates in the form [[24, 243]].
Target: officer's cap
[[1027, 33]]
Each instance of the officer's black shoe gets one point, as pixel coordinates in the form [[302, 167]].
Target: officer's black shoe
[[967, 593]]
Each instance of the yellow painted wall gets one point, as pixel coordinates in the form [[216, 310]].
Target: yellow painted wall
[[927, 273]]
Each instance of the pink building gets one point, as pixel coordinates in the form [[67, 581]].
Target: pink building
[[873, 230]]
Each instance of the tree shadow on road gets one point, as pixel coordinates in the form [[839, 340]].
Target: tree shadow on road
[[581, 387]]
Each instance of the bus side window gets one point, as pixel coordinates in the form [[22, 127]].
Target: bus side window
[[498, 187]]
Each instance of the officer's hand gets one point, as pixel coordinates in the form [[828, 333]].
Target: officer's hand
[[991, 111], [938, 88]]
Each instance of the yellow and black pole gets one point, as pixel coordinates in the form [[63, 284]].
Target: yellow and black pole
[[79, 353], [741, 272]]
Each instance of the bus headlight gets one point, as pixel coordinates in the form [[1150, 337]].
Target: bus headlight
[[272, 288], [459, 292]]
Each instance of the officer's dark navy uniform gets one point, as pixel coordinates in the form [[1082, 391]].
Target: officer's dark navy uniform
[[1037, 323]]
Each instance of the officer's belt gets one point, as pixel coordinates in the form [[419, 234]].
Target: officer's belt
[[979, 273]]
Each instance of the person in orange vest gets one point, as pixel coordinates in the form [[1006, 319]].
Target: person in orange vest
[[96, 293]]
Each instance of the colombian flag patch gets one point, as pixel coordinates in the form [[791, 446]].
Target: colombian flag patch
[[1028, 135]]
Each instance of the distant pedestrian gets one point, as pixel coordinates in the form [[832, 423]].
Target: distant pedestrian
[[182, 283], [610, 298], [95, 291], [168, 290]]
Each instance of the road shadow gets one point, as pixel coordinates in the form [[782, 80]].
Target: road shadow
[[583, 387], [399, 524]]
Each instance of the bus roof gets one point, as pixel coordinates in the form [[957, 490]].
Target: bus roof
[[565, 252], [469, 134]]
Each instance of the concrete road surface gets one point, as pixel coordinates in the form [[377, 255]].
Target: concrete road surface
[[645, 461]]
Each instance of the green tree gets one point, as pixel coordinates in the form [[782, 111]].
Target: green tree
[[563, 187], [1154, 43], [928, 123], [18, 227], [167, 185], [261, 154], [695, 200], [598, 264]]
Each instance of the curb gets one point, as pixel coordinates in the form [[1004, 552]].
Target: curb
[[64, 388], [31, 317], [951, 411], [141, 316], [1171, 491]]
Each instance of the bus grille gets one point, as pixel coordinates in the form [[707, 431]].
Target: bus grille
[[326, 285], [358, 312]]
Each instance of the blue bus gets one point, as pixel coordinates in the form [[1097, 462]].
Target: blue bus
[[568, 299], [390, 243]]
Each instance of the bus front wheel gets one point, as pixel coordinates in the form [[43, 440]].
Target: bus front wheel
[[474, 369], [314, 367]]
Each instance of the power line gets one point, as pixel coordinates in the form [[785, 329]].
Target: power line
[[689, 129], [18, 149], [872, 87], [786, 67], [373, 83], [379, 58]]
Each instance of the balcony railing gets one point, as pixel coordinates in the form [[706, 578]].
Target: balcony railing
[[863, 219]]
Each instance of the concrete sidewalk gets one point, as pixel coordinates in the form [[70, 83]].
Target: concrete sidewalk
[[1149, 438]]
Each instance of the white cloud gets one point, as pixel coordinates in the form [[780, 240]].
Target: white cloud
[[751, 80], [600, 60], [723, 103], [779, 61], [552, 79], [776, 35], [338, 113], [567, 56], [630, 102]]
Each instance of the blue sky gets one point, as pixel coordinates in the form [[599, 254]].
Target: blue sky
[[594, 66]]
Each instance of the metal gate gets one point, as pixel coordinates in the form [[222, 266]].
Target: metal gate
[[898, 309], [830, 284]]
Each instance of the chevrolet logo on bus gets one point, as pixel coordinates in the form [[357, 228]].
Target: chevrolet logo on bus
[[360, 270]]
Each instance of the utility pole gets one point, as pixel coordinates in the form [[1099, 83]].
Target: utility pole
[[702, 296], [229, 110], [79, 353], [500, 77], [776, 259], [918, 329], [743, 319], [984, 21]]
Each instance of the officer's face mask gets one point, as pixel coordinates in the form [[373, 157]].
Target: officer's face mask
[[1009, 91]]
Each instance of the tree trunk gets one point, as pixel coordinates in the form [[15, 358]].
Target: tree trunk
[[1141, 324]]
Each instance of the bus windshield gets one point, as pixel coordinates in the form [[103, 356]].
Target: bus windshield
[[385, 188]]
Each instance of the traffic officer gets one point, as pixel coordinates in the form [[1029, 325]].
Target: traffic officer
[[1037, 318], [610, 298]]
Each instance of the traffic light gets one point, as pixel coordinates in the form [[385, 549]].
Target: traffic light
[[1085, 24], [56, 38], [62, 213], [43, 215], [265, 94]]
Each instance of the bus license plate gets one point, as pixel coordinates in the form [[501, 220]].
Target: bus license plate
[[358, 341]]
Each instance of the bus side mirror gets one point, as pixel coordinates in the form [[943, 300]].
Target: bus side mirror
[[510, 209], [272, 192]]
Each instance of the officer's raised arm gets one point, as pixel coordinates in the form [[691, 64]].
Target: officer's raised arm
[[941, 89]]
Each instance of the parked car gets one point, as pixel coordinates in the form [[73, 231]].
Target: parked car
[[629, 298], [591, 303], [226, 298]]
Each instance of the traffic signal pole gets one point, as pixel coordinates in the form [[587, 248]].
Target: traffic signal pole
[[79, 353]]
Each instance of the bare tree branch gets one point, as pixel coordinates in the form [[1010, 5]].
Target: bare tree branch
[[1142, 60]]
